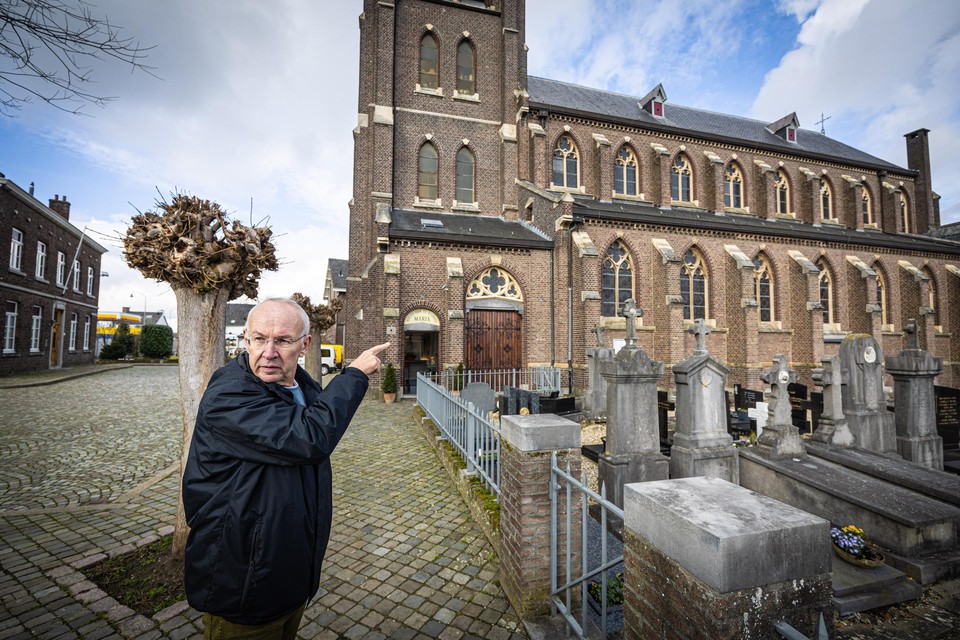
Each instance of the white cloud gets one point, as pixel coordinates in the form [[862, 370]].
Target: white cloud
[[879, 69]]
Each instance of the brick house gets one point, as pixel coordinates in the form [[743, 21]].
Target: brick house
[[499, 219], [335, 288], [50, 308]]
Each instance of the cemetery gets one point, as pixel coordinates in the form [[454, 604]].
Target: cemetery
[[717, 513]]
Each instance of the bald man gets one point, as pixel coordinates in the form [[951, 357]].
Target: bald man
[[257, 486]]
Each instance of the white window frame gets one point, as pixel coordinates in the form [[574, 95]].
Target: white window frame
[[40, 268], [73, 332], [36, 326], [16, 248], [61, 268], [90, 275], [10, 328], [86, 334], [76, 275]]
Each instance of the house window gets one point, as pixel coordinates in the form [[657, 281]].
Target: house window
[[89, 281], [693, 286], [86, 334], [73, 332], [625, 172], [40, 269], [566, 164], [466, 172], [76, 275], [466, 80], [791, 134], [826, 201], [866, 207], [733, 188], [905, 215], [429, 72], [616, 278], [428, 179], [882, 297], [16, 249], [681, 180], [826, 293], [35, 325], [763, 288], [61, 268], [658, 108], [10, 327], [782, 186]]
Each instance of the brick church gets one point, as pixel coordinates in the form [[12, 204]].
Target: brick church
[[502, 219]]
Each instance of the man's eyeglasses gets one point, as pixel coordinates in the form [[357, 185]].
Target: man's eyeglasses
[[259, 342]]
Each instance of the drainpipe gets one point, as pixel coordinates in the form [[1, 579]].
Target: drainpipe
[[574, 223], [553, 313]]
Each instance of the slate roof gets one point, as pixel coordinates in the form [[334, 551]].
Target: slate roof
[[577, 100], [337, 271], [743, 224], [237, 313], [470, 229]]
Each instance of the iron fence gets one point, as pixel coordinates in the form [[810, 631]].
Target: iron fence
[[594, 568], [474, 436], [543, 380]]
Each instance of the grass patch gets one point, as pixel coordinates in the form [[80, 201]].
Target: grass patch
[[147, 579]]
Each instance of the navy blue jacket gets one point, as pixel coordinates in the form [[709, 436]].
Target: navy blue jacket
[[257, 491]]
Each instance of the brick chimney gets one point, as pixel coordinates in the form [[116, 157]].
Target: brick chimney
[[60, 206], [918, 159]]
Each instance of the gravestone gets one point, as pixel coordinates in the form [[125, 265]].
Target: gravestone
[[816, 409], [484, 399], [633, 436], [913, 371], [832, 426], [746, 398], [948, 416], [799, 406], [779, 439], [515, 399], [701, 444], [663, 407], [864, 401], [595, 401]]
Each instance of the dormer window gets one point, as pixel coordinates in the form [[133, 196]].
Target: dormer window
[[652, 103], [785, 128]]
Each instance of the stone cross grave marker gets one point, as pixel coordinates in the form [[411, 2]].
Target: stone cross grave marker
[[700, 331], [832, 427], [780, 439], [630, 312]]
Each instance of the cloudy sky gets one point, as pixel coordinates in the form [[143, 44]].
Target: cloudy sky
[[253, 103]]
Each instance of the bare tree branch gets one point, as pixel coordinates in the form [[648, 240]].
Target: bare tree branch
[[47, 47]]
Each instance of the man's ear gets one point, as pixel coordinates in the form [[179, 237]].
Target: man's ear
[[306, 343]]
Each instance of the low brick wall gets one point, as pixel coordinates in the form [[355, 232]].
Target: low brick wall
[[662, 600]]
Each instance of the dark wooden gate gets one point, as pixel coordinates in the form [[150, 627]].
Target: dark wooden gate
[[494, 339]]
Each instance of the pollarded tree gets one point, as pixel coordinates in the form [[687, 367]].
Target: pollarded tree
[[322, 317], [207, 260]]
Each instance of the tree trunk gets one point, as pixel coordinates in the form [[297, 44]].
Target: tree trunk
[[311, 360], [201, 330]]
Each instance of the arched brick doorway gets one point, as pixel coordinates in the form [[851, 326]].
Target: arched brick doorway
[[493, 331]]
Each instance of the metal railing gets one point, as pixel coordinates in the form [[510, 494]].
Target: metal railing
[[543, 380], [475, 437], [563, 596]]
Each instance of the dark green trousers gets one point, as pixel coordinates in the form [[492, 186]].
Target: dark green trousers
[[283, 628]]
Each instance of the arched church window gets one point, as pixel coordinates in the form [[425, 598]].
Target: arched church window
[[626, 172], [616, 280], [681, 180], [693, 286], [763, 283], [826, 293], [826, 201], [866, 206], [427, 173], [782, 186], [566, 164], [429, 70], [466, 172], [733, 187], [466, 69]]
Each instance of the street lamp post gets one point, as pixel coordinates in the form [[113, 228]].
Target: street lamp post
[[143, 318]]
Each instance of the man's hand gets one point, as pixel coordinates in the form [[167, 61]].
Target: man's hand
[[368, 362]]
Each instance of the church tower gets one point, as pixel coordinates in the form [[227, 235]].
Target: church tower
[[442, 87]]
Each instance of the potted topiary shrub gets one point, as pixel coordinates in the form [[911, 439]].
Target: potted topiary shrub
[[389, 383]]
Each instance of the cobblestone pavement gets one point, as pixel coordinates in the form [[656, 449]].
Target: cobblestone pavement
[[88, 467]]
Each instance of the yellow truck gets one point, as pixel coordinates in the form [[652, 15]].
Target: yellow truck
[[331, 358]]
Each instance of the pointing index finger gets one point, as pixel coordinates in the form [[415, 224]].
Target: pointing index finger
[[377, 349]]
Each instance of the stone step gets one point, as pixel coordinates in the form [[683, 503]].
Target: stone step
[[856, 589], [935, 484]]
